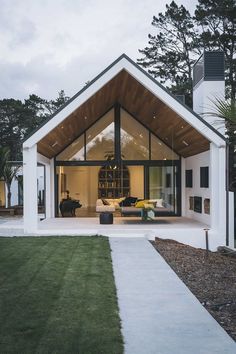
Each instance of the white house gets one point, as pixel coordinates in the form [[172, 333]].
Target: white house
[[125, 135]]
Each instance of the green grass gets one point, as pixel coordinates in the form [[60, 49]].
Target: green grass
[[57, 295]]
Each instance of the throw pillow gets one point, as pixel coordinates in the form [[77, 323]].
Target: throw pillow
[[159, 203], [148, 205], [105, 202], [140, 203], [128, 201]]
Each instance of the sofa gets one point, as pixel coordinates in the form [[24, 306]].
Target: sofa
[[133, 211], [101, 207], [108, 205]]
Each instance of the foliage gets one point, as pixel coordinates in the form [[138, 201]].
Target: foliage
[[173, 50], [58, 296], [181, 37], [4, 156], [226, 110], [7, 171], [18, 119]]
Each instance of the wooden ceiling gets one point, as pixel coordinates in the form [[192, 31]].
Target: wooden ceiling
[[139, 102]]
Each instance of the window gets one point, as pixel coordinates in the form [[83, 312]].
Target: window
[[204, 177], [160, 151], [100, 138], [134, 139], [189, 178]]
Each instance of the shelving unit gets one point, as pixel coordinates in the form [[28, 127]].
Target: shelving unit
[[113, 183]]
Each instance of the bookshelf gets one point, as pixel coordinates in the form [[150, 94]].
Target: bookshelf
[[113, 183]]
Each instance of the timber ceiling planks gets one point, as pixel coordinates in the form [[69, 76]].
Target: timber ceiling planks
[[139, 102]]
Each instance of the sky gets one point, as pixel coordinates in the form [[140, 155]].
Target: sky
[[50, 45]]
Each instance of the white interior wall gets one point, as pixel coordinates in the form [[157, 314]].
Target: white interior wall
[[194, 163], [136, 181]]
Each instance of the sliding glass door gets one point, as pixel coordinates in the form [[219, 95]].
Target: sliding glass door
[[163, 185]]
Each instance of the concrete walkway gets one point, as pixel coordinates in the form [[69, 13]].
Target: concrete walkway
[[159, 314]]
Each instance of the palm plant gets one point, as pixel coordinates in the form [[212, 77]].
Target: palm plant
[[7, 172], [226, 112]]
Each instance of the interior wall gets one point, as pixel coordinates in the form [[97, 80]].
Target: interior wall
[[194, 163], [136, 181], [2, 194], [82, 183]]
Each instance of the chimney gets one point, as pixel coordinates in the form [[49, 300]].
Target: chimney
[[209, 84]]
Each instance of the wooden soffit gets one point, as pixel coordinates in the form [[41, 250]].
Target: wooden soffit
[[139, 102]]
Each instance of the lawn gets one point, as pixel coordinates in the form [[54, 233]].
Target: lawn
[[57, 295]]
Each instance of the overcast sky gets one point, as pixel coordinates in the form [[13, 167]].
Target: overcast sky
[[49, 45]]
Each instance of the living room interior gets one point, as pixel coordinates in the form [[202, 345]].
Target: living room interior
[[115, 163]]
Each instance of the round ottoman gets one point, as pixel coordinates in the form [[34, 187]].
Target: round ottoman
[[106, 218]]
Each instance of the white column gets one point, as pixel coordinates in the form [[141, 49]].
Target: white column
[[52, 189], [218, 190], [183, 188], [47, 191], [231, 220], [30, 189]]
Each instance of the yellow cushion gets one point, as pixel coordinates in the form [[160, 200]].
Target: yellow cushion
[[148, 205], [141, 203]]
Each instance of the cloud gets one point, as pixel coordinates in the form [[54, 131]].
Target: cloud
[[46, 46]]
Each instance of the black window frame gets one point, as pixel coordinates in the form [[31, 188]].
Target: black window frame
[[204, 177], [189, 178]]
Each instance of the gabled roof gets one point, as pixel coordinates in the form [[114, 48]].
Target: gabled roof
[[126, 83]]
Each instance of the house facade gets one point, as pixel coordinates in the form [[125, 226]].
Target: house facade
[[125, 135]]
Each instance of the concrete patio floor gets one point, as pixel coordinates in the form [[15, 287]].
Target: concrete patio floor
[[158, 312], [181, 229]]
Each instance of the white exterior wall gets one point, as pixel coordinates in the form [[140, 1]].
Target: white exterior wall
[[194, 163], [203, 94], [30, 189]]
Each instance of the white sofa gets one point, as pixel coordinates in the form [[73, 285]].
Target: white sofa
[[100, 207], [113, 205]]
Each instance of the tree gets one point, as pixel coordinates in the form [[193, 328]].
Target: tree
[[173, 50], [218, 21], [12, 113], [181, 38], [19, 119], [7, 172]]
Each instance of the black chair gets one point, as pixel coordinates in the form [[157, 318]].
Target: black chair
[[68, 207]]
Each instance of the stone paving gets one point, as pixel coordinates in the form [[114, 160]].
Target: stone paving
[[159, 314]]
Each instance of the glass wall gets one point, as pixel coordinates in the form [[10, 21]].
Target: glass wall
[[99, 142], [100, 138], [162, 186], [160, 151], [134, 138]]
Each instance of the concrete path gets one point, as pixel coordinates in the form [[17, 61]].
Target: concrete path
[[159, 314]]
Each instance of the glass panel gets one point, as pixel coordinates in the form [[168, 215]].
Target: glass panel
[[74, 152], [162, 185], [134, 139], [100, 138], [160, 151], [78, 183]]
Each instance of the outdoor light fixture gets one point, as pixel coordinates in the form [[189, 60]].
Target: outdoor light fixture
[[85, 117], [54, 144]]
